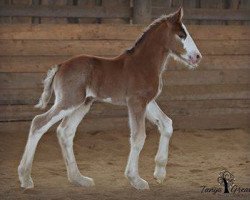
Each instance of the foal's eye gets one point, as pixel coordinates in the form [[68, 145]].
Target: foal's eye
[[182, 36]]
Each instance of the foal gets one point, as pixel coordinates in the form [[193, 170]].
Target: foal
[[133, 78]]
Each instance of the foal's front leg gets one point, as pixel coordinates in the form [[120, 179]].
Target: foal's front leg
[[164, 123], [137, 109]]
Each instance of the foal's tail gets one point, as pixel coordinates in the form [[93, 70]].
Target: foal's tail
[[47, 91]]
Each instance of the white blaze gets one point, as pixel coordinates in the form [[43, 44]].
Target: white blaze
[[189, 45]]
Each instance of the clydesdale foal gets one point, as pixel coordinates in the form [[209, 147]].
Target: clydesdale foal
[[134, 79]]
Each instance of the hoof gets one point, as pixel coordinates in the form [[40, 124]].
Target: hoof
[[25, 178], [26, 183], [160, 174], [83, 181], [140, 184]]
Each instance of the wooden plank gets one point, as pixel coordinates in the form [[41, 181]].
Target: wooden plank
[[201, 92], [189, 92], [86, 4], [53, 20], [233, 5], [141, 11], [43, 63], [107, 47], [36, 20], [23, 19], [205, 14], [29, 63], [117, 4], [72, 20], [171, 78], [62, 48], [245, 5], [21, 80], [165, 3], [212, 4], [87, 125], [220, 121], [113, 32], [104, 110], [190, 4], [207, 77], [176, 3], [211, 62], [71, 32], [5, 20], [63, 11]]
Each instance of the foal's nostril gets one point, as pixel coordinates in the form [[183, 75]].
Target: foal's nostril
[[198, 56]]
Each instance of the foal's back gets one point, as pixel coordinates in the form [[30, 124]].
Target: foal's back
[[101, 78]]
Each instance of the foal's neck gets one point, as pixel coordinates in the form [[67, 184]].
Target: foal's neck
[[152, 51]]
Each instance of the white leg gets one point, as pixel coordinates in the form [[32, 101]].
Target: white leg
[[40, 125], [65, 133], [164, 123], [137, 139]]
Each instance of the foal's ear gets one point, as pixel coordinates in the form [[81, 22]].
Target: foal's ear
[[177, 16]]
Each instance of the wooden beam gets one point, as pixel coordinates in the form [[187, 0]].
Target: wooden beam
[[38, 64], [113, 32], [63, 11], [108, 47], [205, 14], [36, 20], [183, 92], [202, 121], [103, 110], [170, 78], [142, 11]]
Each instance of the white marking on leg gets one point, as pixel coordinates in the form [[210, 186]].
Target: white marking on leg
[[35, 134], [155, 115], [137, 140], [66, 132]]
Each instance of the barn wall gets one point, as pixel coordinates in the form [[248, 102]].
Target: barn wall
[[216, 12], [215, 96]]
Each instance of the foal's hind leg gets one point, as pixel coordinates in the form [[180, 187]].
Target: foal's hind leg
[[164, 123], [65, 133], [40, 124]]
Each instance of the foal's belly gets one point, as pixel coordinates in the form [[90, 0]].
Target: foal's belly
[[114, 101], [107, 95]]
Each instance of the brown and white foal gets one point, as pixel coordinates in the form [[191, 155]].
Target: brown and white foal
[[133, 78]]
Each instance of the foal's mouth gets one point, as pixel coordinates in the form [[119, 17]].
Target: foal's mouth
[[189, 63], [185, 61]]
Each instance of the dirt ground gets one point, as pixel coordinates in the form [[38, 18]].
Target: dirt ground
[[196, 158]]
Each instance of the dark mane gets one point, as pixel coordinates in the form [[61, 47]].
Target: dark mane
[[148, 29]]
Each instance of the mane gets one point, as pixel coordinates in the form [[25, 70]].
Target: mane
[[157, 22]]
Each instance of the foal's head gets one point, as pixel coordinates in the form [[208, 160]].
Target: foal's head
[[180, 43]]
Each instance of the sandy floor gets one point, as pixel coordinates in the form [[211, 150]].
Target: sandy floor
[[195, 160]]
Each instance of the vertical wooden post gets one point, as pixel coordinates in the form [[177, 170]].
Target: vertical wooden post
[[142, 11], [36, 20], [72, 20]]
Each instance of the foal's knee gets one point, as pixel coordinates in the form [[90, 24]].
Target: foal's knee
[[167, 126], [137, 140]]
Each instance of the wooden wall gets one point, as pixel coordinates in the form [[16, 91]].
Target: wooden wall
[[215, 96], [223, 12]]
